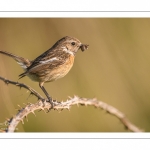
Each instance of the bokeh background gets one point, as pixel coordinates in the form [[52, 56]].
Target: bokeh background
[[115, 69]]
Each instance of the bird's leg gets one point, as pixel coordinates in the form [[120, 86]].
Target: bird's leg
[[47, 95]]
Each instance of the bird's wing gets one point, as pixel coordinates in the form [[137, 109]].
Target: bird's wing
[[47, 60]]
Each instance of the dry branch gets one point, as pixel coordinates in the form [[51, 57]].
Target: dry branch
[[42, 105], [22, 85]]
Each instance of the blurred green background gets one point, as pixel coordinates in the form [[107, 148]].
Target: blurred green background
[[115, 69]]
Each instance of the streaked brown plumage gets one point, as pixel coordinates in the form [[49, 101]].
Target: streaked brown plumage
[[53, 64]]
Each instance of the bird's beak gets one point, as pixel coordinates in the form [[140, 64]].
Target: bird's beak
[[84, 47]]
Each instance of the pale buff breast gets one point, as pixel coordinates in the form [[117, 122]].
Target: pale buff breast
[[62, 70]]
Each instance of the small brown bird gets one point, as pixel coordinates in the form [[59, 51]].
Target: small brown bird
[[53, 64]]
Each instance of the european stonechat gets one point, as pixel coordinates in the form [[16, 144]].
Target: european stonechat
[[53, 64]]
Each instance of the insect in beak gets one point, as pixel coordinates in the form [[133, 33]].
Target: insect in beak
[[84, 47]]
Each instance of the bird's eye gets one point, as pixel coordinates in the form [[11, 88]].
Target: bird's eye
[[73, 43]]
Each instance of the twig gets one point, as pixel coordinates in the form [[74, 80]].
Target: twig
[[22, 85], [42, 105]]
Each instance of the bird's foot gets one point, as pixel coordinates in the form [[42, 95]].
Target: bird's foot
[[51, 102]]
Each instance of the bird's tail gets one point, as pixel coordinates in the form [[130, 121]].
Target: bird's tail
[[23, 62]]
